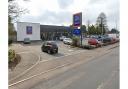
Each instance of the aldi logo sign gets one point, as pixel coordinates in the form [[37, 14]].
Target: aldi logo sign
[[77, 20], [29, 30]]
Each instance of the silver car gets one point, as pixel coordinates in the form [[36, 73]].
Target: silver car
[[67, 41], [27, 41]]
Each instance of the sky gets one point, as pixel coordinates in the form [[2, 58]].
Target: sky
[[60, 12]]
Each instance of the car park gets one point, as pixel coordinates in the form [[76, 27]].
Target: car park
[[67, 41], [49, 47], [26, 41]]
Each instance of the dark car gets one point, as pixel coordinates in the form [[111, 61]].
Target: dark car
[[26, 41], [49, 47], [106, 39]]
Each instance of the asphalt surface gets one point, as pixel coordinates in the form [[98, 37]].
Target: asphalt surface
[[100, 73], [36, 49]]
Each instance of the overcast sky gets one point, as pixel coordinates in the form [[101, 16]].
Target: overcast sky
[[60, 12]]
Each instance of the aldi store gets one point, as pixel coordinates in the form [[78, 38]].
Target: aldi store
[[36, 32]]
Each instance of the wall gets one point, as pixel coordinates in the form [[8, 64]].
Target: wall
[[21, 31]]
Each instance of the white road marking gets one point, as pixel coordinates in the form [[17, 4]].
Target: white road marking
[[70, 50], [24, 52]]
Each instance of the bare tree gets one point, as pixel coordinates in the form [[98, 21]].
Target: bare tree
[[14, 11]]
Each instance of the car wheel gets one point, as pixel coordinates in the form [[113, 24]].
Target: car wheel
[[56, 51], [43, 50], [49, 51], [97, 45]]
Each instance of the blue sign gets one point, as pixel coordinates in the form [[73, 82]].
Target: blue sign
[[29, 29], [76, 31], [77, 19]]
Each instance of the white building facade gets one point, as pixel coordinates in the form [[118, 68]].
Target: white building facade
[[28, 30]]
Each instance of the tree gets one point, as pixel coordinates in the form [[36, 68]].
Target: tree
[[83, 29], [101, 23], [92, 30], [14, 11]]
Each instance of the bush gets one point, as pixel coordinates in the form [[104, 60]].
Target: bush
[[12, 55], [76, 41]]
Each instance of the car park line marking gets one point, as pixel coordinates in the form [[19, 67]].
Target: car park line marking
[[70, 50], [28, 68]]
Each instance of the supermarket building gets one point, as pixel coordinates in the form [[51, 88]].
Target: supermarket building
[[36, 32]]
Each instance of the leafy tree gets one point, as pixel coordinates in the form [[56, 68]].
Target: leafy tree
[[102, 23], [92, 30]]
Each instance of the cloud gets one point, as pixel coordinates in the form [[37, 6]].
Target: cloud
[[59, 12], [65, 3], [50, 17], [96, 1]]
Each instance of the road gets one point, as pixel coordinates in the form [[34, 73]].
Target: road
[[100, 73]]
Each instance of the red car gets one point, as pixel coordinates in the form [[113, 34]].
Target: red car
[[93, 41]]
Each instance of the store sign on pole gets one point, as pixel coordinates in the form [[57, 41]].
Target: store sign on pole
[[77, 19], [76, 31]]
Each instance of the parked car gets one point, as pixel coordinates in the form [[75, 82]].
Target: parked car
[[94, 41], [67, 41], [49, 47], [26, 41], [62, 38], [106, 39]]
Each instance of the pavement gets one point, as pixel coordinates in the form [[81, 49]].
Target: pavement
[[72, 58]]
